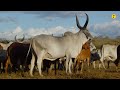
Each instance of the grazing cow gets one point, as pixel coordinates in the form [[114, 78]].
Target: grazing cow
[[51, 47], [17, 56], [110, 53], [82, 57]]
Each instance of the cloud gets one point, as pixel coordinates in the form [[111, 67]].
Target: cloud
[[56, 31], [110, 29], [9, 35]]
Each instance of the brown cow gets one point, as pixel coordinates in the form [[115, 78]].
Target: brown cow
[[82, 57]]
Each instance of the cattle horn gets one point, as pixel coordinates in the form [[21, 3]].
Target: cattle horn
[[23, 37], [19, 39], [15, 38], [77, 22], [85, 25]]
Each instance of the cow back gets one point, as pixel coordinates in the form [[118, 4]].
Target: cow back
[[19, 51]]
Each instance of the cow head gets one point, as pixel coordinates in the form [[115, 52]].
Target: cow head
[[84, 28]]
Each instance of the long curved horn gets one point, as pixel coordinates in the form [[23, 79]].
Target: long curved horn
[[77, 22], [86, 23], [15, 38], [23, 37]]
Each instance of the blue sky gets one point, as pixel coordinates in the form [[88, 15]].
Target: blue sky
[[32, 23]]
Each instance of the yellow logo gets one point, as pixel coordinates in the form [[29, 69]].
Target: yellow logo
[[114, 16]]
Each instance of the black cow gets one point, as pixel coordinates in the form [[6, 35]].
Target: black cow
[[17, 53], [58, 64], [95, 56], [47, 64]]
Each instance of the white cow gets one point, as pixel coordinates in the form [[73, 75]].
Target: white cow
[[51, 47], [5, 46], [108, 53]]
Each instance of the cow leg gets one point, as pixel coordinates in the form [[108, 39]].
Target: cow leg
[[14, 68], [70, 65], [88, 62], [77, 67], [103, 65], [74, 64], [39, 61], [81, 71], [6, 64], [99, 66], [32, 65], [94, 64], [116, 64], [22, 70], [0, 68], [102, 62], [108, 63], [4, 67], [55, 67], [67, 61]]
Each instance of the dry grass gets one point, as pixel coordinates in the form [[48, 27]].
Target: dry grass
[[110, 73]]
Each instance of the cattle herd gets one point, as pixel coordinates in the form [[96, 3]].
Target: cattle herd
[[68, 52]]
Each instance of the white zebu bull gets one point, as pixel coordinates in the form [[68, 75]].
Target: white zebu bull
[[108, 53], [51, 47]]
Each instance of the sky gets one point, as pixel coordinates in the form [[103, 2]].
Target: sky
[[32, 23]]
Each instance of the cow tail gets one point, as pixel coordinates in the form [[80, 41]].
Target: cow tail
[[28, 50], [102, 52]]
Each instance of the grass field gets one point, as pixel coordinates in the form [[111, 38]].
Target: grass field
[[110, 73]]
